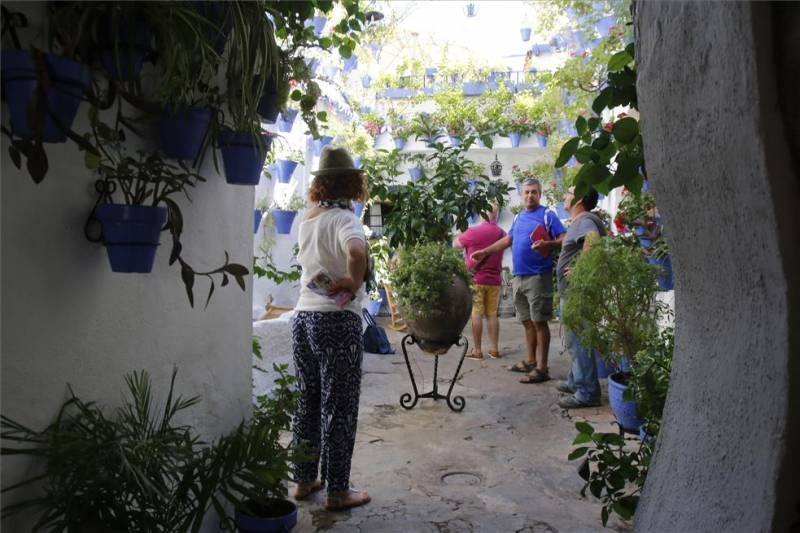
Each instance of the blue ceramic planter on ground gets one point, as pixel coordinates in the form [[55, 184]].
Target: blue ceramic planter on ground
[[131, 235], [321, 143], [625, 412], [525, 33], [253, 524], [182, 133], [399, 143], [257, 214], [515, 139], [123, 49], [69, 81], [242, 157], [415, 173], [358, 208], [283, 220], [664, 264], [374, 306], [286, 169]]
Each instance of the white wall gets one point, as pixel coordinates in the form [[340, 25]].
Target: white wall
[[67, 318]]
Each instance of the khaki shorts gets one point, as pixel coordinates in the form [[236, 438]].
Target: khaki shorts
[[485, 299], [533, 297]]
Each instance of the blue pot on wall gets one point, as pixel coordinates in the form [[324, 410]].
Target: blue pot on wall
[[515, 139], [312, 63], [131, 235], [415, 173], [286, 120], [123, 49], [357, 161], [319, 24], [604, 25], [257, 215], [366, 81], [664, 264], [69, 81], [525, 33], [624, 411], [182, 133], [286, 169], [321, 143], [474, 88], [268, 105], [541, 140], [358, 208], [283, 220], [350, 64], [255, 524], [399, 143], [242, 156]]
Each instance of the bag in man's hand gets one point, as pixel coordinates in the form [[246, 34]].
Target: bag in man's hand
[[375, 339]]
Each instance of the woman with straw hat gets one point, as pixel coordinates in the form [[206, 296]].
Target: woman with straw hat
[[326, 332]]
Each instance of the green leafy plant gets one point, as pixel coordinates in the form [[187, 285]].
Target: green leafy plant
[[611, 301], [426, 127], [355, 140], [398, 124], [373, 123], [294, 202], [424, 272]]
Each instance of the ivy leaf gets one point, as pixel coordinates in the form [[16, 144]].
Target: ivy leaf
[[584, 154], [594, 173], [345, 51], [325, 42], [603, 100], [621, 510], [567, 151], [577, 453], [582, 438], [584, 427], [92, 161], [322, 115], [593, 123], [619, 60], [581, 126], [625, 129], [296, 95], [188, 280]]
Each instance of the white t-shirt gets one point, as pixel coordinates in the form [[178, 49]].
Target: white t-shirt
[[323, 247]]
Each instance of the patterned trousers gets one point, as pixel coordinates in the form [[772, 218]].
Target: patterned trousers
[[327, 349]]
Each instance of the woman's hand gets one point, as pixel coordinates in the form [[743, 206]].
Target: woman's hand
[[347, 283]]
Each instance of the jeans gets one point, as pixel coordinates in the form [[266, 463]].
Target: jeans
[[583, 374]]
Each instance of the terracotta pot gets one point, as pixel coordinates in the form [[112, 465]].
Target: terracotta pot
[[440, 326]]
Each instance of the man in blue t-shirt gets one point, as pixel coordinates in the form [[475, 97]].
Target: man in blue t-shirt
[[533, 276]]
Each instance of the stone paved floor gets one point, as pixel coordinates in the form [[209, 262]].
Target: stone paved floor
[[505, 453]]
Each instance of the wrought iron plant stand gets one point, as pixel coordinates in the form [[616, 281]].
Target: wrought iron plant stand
[[456, 403]]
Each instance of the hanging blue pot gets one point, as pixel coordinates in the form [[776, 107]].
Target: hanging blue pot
[[357, 160], [321, 143], [350, 64], [515, 139], [319, 24], [374, 306], [286, 169], [242, 157], [257, 214], [624, 411], [639, 231], [455, 141], [525, 33], [131, 234], [541, 139], [69, 81], [123, 49], [268, 105], [182, 133], [286, 120], [254, 524], [664, 264], [358, 208], [366, 81], [283, 220], [399, 143], [415, 173]]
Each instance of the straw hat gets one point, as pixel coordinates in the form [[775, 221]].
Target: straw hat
[[333, 161]]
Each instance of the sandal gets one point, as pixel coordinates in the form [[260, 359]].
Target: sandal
[[346, 500], [304, 490], [522, 366], [536, 376], [475, 354], [495, 354]]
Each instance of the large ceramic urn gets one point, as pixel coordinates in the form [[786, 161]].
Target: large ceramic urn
[[440, 326]]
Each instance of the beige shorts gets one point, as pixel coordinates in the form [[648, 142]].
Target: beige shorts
[[485, 299], [533, 297]]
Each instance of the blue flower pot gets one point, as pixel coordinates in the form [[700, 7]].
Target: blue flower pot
[[131, 235], [604, 25], [358, 208], [357, 160], [321, 143], [541, 49], [625, 412], [268, 105], [525, 33], [515, 139], [455, 141], [374, 306], [541, 140], [286, 120], [366, 81], [664, 264], [124, 49], [242, 157], [69, 81], [319, 24], [399, 143], [643, 241], [257, 215], [431, 71], [286, 169], [350, 64], [312, 63], [474, 88], [254, 524], [415, 173], [182, 133], [283, 220]]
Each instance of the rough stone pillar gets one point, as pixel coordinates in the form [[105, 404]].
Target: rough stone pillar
[[721, 160]]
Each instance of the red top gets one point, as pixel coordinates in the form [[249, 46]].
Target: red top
[[476, 238]]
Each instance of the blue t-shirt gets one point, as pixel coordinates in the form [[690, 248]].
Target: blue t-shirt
[[527, 261]]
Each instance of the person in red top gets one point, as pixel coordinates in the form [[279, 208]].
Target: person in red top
[[487, 279]]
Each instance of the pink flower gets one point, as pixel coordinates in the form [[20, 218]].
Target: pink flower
[[622, 115], [608, 126]]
